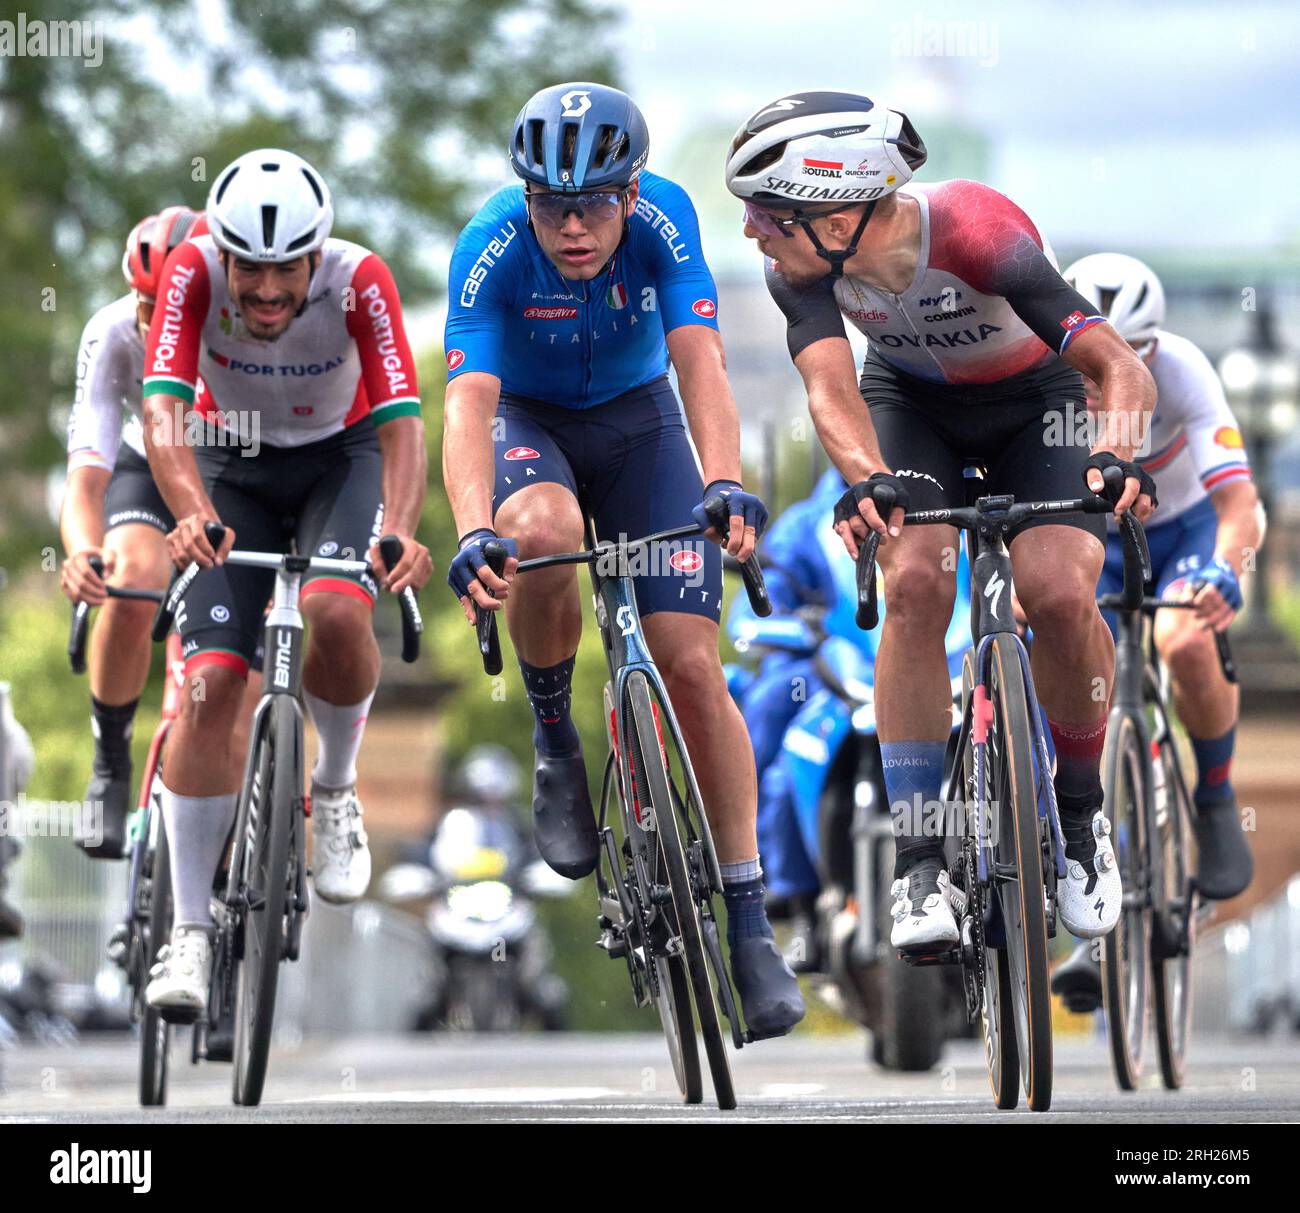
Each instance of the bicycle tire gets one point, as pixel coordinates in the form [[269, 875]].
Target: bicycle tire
[[1126, 955], [674, 1005], [266, 876], [639, 713], [1171, 976], [1017, 845], [155, 1031]]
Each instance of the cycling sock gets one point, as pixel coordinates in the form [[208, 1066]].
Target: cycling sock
[[550, 689], [339, 728], [913, 782], [742, 890], [1078, 760], [197, 828], [1213, 766], [111, 725]]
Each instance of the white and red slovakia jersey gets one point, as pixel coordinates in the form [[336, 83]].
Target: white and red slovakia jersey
[[345, 356], [110, 366]]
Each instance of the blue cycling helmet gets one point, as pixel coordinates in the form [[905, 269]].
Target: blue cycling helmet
[[579, 136]]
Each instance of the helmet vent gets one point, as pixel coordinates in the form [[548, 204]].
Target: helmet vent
[[1142, 294], [304, 239], [225, 184], [315, 187], [270, 167], [535, 139], [568, 145], [231, 238], [1107, 300], [611, 147], [268, 226]]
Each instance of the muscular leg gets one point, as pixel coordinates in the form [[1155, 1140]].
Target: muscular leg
[[120, 644], [1206, 702], [685, 649]]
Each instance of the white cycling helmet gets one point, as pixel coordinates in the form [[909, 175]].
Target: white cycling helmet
[[1124, 290], [269, 205], [822, 147]]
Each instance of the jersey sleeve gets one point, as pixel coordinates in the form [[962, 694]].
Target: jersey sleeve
[[667, 235], [103, 379], [986, 239], [811, 312], [1213, 437], [171, 351], [479, 285], [375, 324]]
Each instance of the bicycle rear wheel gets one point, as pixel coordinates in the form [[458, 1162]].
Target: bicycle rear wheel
[[1018, 854], [266, 877], [1127, 949], [155, 1032], [651, 774], [1174, 936], [674, 1003]]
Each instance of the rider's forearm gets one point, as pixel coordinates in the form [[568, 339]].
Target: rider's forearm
[[81, 521], [406, 471], [468, 466], [1239, 531], [1128, 393], [710, 407], [172, 463], [843, 424]]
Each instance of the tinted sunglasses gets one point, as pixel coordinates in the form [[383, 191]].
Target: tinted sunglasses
[[554, 209]]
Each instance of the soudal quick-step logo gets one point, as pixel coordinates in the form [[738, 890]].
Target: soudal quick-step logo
[[550, 313], [686, 562], [705, 307], [823, 168], [454, 359], [522, 452], [864, 169]]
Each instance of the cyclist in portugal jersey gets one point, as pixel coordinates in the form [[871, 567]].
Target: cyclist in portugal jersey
[[569, 299], [312, 433], [974, 341], [1207, 521]]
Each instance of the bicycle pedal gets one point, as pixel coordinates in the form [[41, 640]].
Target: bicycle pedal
[[178, 1017], [614, 945], [948, 955], [220, 1045]]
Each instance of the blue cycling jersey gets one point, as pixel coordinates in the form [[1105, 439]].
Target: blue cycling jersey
[[575, 344]]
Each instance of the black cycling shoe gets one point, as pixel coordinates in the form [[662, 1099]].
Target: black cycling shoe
[[1224, 864], [109, 797], [563, 822], [1078, 980], [769, 992]]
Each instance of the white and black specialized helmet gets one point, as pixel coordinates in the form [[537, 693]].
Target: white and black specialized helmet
[[1124, 290], [269, 205], [822, 147]]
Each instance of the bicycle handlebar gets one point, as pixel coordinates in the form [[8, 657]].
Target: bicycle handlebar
[[81, 615], [390, 548], [1149, 606]]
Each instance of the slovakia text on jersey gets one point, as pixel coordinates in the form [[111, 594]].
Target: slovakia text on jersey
[[576, 344], [345, 356]]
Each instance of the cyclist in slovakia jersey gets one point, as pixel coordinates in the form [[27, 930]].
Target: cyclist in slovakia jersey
[[312, 434], [569, 299], [112, 511], [1208, 519], [975, 340]]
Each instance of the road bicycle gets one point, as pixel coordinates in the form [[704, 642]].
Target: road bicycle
[[658, 872], [1147, 959], [1010, 850], [263, 902], [147, 926]]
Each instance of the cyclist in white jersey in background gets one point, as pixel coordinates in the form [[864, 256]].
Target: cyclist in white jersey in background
[[1207, 522], [315, 436]]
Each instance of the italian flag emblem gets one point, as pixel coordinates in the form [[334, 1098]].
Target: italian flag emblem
[[617, 295]]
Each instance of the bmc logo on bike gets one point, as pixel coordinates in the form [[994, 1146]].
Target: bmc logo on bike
[[522, 452], [705, 307], [686, 562], [454, 359], [283, 657]]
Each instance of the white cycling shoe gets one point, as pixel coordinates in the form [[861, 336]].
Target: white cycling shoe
[[178, 986], [340, 853], [925, 909], [1090, 895]]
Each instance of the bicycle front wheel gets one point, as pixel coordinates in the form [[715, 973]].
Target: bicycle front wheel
[[266, 877], [650, 774], [1174, 938], [155, 1031], [1126, 956], [1018, 862]]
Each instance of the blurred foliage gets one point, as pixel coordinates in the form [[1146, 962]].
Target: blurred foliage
[[399, 105]]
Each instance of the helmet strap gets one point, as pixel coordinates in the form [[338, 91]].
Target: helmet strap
[[837, 257]]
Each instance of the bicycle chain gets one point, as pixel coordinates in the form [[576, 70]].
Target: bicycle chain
[[974, 977]]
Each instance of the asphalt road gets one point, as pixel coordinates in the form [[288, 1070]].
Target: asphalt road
[[608, 1077]]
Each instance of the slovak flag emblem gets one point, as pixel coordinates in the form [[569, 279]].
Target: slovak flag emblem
[[1073, 320], [522, 452], [454, 359], [705, 307]]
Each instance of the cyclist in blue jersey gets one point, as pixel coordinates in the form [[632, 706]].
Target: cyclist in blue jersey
[[569, 298]]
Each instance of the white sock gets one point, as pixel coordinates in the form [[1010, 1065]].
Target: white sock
[[339, 727], [197, 827]]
